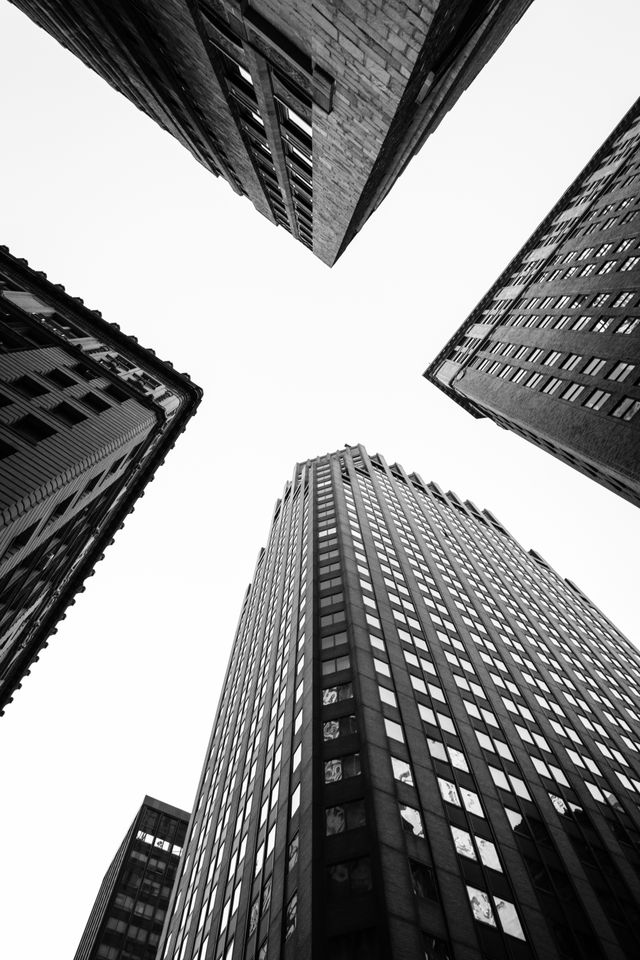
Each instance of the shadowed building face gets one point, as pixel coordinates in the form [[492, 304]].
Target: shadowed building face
[[86, 417], [312, 110], [127, 916], [426, 744]]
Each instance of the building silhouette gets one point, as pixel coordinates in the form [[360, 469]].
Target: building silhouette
[[426, 744], [127, 916], [552, 352], [86, 417], [310, 110]]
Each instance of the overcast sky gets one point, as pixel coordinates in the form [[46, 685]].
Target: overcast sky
[[295, 360]]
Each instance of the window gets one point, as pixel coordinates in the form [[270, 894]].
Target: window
[[68, 414], [341, 691], [342, 768], [424, 885], [463, 843], [435, 948], [333, 666], [602, 324], [29, 387], [95, 402], [402, 771], [551, 385], [626, 409], [572, 361], [621, 371], [594, 366], [342, 727], [60, 378], [293, 856], [623, 299], [32, 429], [352, 878], [572, 392], [387, 696], [394, 730], [483, 912], [481, 906], [607, 266], [597, 399], [508, 917], [6, 450], [471, 802], [628, 325], [116, 393], [298, 120], [411, 820], [344, 816], [290, 920]]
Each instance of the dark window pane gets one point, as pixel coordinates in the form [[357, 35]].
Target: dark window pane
[[32, 428]]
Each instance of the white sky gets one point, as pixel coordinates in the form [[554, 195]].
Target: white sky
[[295, 360]]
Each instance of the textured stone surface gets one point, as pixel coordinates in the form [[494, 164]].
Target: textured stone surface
[[377, 54]]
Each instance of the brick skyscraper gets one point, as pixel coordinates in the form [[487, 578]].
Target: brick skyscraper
[[552, 351], [310, 109], [86, 417], [127, 917], [426, 745]]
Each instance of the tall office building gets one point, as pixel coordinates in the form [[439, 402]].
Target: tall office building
[[426, 745], [312, 110], [552, 351], [86, 418], [127, 916]]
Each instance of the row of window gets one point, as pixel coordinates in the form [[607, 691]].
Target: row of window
[[624, 408]]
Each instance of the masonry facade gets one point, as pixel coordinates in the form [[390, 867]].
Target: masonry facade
[[86, 417], [312, 110], [552, 352], [427, 744], [127, 917]]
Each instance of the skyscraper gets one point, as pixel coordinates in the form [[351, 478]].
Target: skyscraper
[[127, 916], [552, 352], [310, 110], [86, 418], [427, 744]]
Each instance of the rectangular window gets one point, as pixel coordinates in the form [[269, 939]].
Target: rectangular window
[[597, 399], [572, 392], [342, 768], [341, 691], [349, 879], [626, 409], [32, 429], [551, 385], [594, 366], [342, 727], [621, 371], [344, 816]]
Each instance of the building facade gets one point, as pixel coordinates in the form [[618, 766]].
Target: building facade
[[127, 916], [86, 417], [427, 745], [552, 352], [312, 110]]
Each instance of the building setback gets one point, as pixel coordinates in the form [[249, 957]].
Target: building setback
[[127, 916], [312, 110], [427, 745], [86, 417], [552, 352]]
